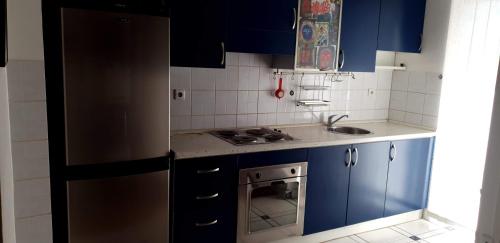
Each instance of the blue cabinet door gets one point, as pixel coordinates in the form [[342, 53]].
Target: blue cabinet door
[[327, 189], [198, 33], [401, 25], [262, 26], [408, 177], [367, 183], [359, 34]]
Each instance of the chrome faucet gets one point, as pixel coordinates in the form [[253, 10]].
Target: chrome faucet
[[332, 122]]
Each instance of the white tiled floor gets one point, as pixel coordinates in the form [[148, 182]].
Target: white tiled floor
[[415, 231]]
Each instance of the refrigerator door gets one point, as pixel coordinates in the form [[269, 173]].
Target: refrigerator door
[[116, 77], [128, 209]]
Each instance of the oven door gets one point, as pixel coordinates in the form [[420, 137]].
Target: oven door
[[271, 210]]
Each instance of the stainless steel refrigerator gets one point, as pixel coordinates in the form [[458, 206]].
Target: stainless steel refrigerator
[[116, 85]]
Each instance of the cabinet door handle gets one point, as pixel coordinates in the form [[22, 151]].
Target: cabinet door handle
[[223, 59], [206, 224], [355, 158], [341, 53], [294, 19], [348, 157], [208, 171], [207, 197], [394, 152]]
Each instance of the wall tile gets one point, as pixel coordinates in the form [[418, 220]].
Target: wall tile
[[225, 121], [232, 59], [249, 120], [30, 159], [266, 81], [285, 118], [35, 229], [180, 122], [28, 121], [382, 99], [180, 78], [247, 102], [226, 102], [384, 80], [202, 122], [287, 104], [267, 102], [356, 99], [248, 78], [32, 197], [203, 79], [434, 83], [413, 118], [303, 117], [398, 100], [430, 121], [268, 119], [415, 103], [226, 79], [417, 82], [397, 115], [180, 107], [358, 83], [431, 106], [400, 80], [203, 103], [26, 80], [382, 114], [263, 60], [370, 80]]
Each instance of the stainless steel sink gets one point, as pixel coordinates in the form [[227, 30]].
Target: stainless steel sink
[[349, 130]]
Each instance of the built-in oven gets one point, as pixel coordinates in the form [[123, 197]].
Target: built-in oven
[[271, 202]]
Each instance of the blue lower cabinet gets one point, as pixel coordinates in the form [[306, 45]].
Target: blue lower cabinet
[[205, 200], [327, 189], [367, 182], [409, 175]]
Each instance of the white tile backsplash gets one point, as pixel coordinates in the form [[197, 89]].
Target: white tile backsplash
[[32, 197], [29, 119], [242, 95], [31, 159], [415, 98], [203, 78], [203, 102], [226, 102], [26, 81], [34, 229]]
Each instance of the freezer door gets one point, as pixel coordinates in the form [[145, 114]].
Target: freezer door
[[116, 78], [127, 209]]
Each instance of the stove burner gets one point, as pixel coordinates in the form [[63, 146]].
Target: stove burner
[[227, 133], [257, 132], [243, 139], [274, 137]]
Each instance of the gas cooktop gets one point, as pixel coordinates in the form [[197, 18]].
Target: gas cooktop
[[240, 137]]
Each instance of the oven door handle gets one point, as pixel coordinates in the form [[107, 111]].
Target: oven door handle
[[256, 185]]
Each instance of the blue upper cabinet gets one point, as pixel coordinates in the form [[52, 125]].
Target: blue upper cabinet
[[198, 33], [408, 177], [401, 25], [327, 189], [359, 34], [262, 26], [367, 182]]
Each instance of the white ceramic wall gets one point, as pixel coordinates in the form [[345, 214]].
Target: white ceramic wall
[[28, 127], [241, 95], [415, 98]]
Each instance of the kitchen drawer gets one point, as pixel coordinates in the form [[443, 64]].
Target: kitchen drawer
[[206, 227]]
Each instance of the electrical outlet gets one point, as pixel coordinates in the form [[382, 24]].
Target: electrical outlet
[[371, 92], [179, 94]]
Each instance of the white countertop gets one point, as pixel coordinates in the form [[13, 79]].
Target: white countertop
[[202, 144]]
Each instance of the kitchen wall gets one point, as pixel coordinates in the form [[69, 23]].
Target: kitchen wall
[[241, 95], [415, 97], [28, 200]]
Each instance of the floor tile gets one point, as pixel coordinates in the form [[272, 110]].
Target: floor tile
[[452, 237], [382, 236], [400, 231], [418, 227], [342, 240]]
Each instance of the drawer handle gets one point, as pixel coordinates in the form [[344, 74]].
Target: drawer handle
[[206, 224], [208, 171], [207, 197]]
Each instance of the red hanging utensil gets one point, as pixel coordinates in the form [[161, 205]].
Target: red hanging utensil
[[280, 93]]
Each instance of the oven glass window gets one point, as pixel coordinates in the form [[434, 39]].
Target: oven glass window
[[273, 205]]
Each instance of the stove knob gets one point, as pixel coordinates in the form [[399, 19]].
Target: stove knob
[[275, 130], [279, 131], [293, 171], [257, 175]]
